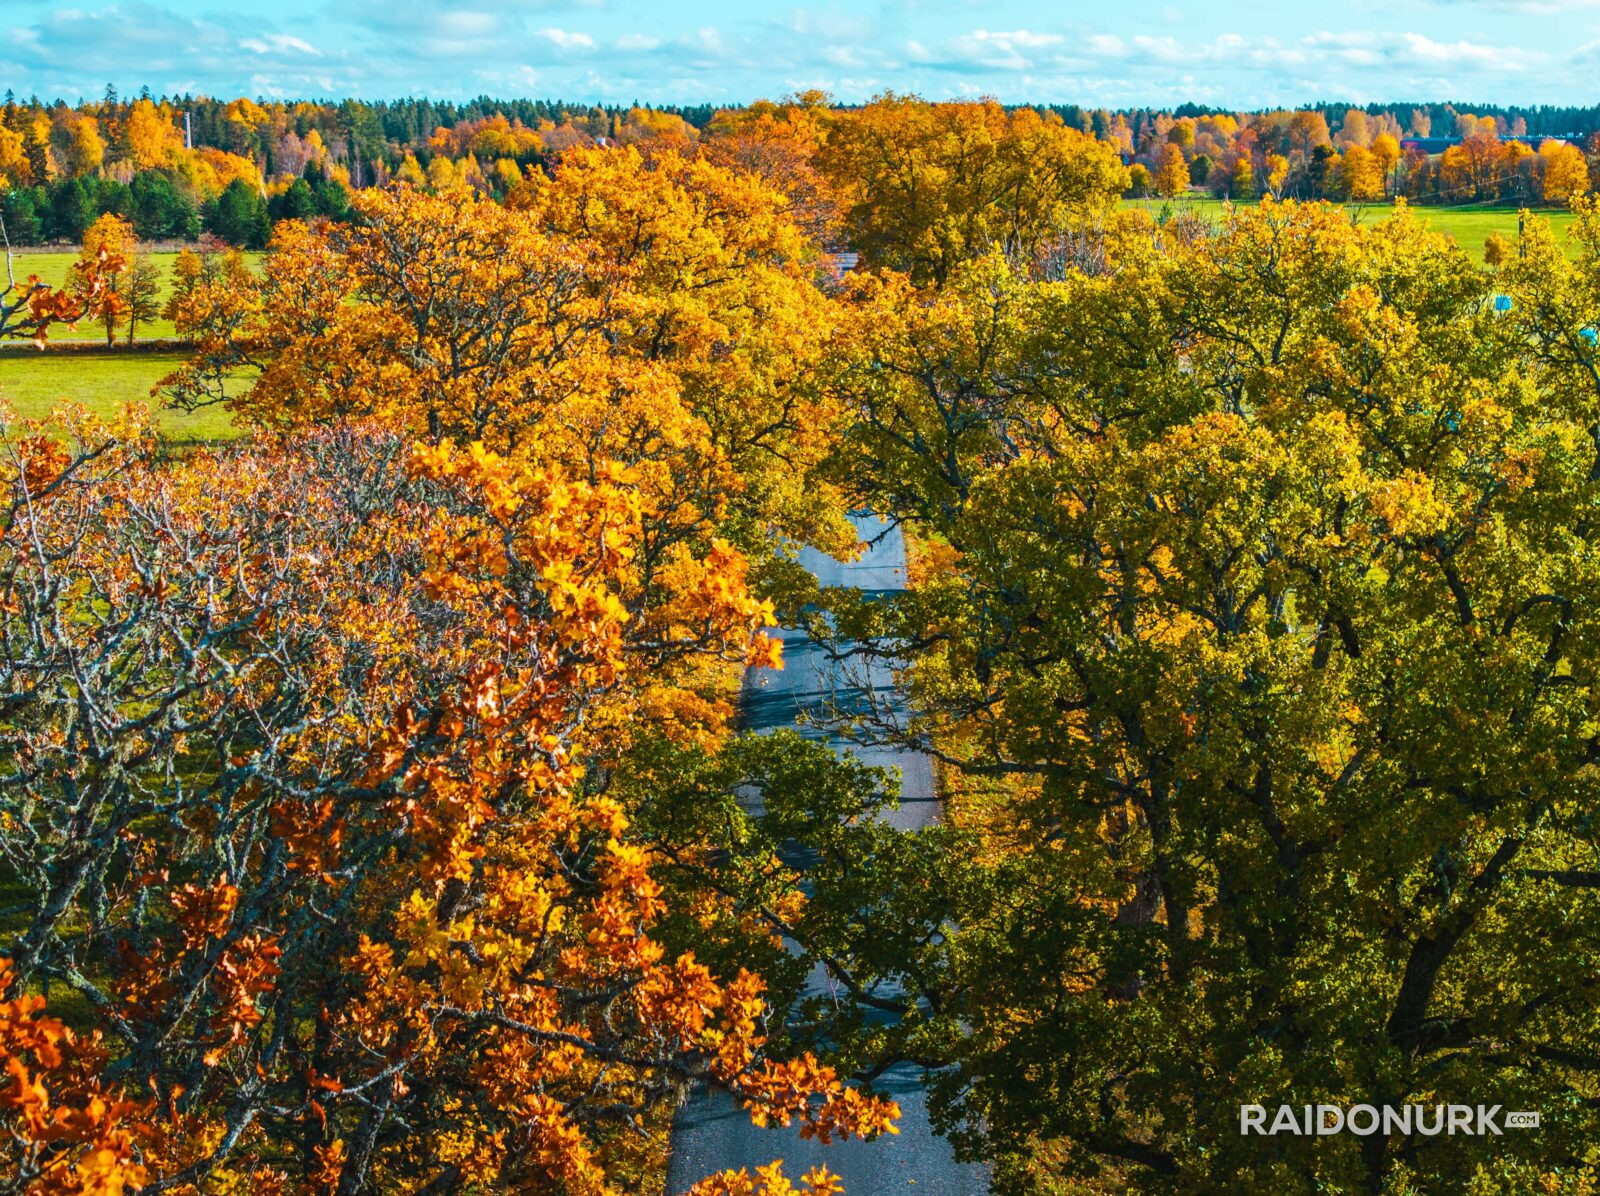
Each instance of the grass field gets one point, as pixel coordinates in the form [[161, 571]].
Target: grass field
[[1470, 226], [33, 382], [53, 268]]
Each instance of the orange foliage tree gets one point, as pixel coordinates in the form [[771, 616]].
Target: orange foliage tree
[[69, 1136], [302, 737], [780, 142], [315, 735], [28, 308]]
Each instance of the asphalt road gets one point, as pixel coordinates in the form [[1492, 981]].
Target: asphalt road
[[711, 1132]]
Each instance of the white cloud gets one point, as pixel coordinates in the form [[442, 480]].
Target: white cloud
[[567, 40], [1426, 50], [1014, 50], [279, 43]]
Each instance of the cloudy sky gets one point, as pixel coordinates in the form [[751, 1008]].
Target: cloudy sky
[[1238, 53]]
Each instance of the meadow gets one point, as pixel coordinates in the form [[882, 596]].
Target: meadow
[[1469, 225], [54, 267], [32, 382]]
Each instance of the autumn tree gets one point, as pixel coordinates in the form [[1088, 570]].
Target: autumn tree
[[926, 186], [14, 166], [66, 1130], [109, 237], [1277, 173], [152, 139], [1565, 171], [1242, 179], [723, 295], [30, 307], [1255, 640], [77, 142], [780, 143], [1498, 249], [443, 177], [301, 795], [1386, 156], [1472, 168], [1172, 172], [1361, 173], [142, 294], [1355, 130], [665, 318]]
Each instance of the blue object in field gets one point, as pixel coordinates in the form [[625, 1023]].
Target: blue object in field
[[1502, 303]]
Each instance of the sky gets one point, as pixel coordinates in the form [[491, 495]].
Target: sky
[[1109, 53]]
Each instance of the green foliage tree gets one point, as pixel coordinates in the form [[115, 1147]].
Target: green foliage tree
[[239, 216], [160, 209], [20, 208], [1262, 643], [297, 202], [72, 210], [141, 294]]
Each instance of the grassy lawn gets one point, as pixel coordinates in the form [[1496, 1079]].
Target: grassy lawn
[[1470, 226], [33, 382], [53, 268]]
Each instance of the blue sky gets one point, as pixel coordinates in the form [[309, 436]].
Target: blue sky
[[1235, 53]]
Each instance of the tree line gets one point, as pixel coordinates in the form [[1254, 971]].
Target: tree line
[[166, 163]]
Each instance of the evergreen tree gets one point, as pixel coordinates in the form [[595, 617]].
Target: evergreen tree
[[159, 209], [239, 216], [20, 208], [72, 210], [299, 202]]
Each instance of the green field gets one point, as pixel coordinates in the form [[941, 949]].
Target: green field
[[33, 382], [53, 268], [1470, 226]]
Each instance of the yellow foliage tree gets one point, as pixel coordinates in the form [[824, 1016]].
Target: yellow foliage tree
[[14, 165], [927, 186], [1361, 173], [1565, 171], [153, 140], [1172, 173], [81, 147], [110, 237], [1386, 153]]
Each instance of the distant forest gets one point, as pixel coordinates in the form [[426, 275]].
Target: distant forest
[[177, 166]]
